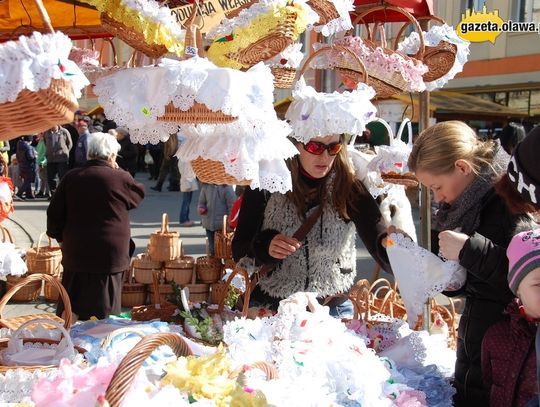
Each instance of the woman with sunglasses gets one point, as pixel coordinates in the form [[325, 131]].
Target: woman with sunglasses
[[325, 261]]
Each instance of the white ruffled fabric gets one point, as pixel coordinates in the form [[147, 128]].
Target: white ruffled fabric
[[420, 274], [16, 384], [436, 34], [340, 24], [391, 159], [32, 62], [313, 114], [11, 263], [291, 57], [247, 15]]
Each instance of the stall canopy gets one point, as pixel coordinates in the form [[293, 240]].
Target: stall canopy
[[77, 20]]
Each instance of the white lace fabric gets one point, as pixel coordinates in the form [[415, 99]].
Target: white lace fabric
[[391, 159], [291, 57], [16, 384], [433, 37], [32, 62], [314, 114], [420, 274]]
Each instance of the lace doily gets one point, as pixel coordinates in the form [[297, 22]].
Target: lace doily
[[436, 34], [420, 274], [32, 62], [376, 60], [391, 159], [291, 57], [314, 114], [337, 25], [16, 384], [148, 17]]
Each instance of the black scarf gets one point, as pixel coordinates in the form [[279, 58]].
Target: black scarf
[[464, 212]]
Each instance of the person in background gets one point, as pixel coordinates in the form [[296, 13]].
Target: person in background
[[472, 225], [156, 151], [82, 145], [508, 353], [127, 157], [215, 201], [26, 156], [41, 149], [14, 173], [58, 144], [510, 136], [89, 216], [4, 150], [169, 166]]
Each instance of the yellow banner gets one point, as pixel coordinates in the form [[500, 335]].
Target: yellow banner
[[212, 11]]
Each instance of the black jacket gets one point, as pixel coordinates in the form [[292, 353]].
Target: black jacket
[[127, 156], [486, 292]]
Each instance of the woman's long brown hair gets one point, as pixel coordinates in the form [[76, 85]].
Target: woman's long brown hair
[[343, 182]]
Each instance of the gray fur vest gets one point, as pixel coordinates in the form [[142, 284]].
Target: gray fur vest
[[326, 261]]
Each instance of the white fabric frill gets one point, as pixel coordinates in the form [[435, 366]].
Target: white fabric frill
[[16, 384], [391, 159], [32, 62], [436, 34], [420, 274], [11, 263], [291, 57], [340, 24], [314, 114], [246, 16]]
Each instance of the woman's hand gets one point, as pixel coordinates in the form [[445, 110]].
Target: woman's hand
[[283, 246], [451, 243]]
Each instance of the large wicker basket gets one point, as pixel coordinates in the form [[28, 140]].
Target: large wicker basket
[[133, 293], [28, 293], [35, 112], [222, 243], [144, 268], [213, 172], [15, 322], [180, 270], [325, 9], [50, 291], [127, 370], [164, 243], [44, 259]]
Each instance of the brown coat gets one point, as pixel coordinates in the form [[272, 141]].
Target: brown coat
[[89, 215]]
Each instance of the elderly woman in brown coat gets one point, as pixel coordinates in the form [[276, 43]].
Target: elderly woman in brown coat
[[89, 216]]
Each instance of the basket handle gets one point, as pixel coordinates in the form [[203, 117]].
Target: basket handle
[[117, 332], [268, 369], [165, 223], [113, 48], [405, 122], [39, 242], [44, 16], [181, 247], [44, 321], [207, 245], [41, 277], [388, 129], [6, 232], [247, 293], [155, 283], [404, 26], [193, 33], [125, 373], [361, 17], [338, 48], [225, 217]]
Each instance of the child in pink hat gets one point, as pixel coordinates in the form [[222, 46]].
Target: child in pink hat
[[508, 348]]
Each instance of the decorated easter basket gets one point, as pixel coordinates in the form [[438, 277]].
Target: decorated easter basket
[[44, 259], [163, 244], [34, 111]]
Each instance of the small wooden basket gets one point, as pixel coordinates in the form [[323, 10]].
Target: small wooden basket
[[222, 243], [44, 259], [247, 293], [15, 322], [180, 270], [209, 269], [199, 292], [283, 77], [160, 309], [163, 243], [218, 291], [144, 268], [127, 370], [213, 172], [133, 293]]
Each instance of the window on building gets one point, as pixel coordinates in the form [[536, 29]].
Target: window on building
[[526, 10], [471, 5], [519, 100]]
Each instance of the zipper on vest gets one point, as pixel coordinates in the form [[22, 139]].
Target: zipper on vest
[[306, 251]]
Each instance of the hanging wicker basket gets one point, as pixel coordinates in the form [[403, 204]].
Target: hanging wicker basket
[[213, 172], [283, 77], [325, 9], [223, 242], [44, 259], [163, 243]]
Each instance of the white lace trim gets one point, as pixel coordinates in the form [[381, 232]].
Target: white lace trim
[[391, 159], [436, 34], [421, 274], [342, 23], [314, 114], [16, 384], [246, 17], [291, 57], [32, 62]]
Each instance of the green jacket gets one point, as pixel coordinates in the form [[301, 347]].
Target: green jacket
[[41, 153]]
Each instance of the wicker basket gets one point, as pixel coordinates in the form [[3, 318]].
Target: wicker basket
[[198, 292], [15, 322], [144, 268], [163, 243], [325, 9], [196, 114], [127, 370], [222, 244], [229, 264], [35, 112], [44, 259], [213, 172], [268, 46], [247, 294], [209, 269], [29, 292], [180, 270], [161, 308], [218, 291], [133, 293], [50, 292], [165, 291], [283, 77], [132, 37]]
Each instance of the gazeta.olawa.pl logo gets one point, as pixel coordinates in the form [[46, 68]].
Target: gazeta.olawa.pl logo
[[482, 26]]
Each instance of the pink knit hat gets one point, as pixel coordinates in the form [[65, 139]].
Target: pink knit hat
[[523, 256]]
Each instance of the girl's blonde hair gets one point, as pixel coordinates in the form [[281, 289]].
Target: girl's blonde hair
[[438, 148]]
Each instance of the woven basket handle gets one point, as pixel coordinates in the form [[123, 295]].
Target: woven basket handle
[[339, 48], [405, 122], [132, 362], [39, 241], [207, 247], [165, 223], [40, 277], [44, 321], [404, 26], [44, 16], [247, 293], [117, 332], [6, 233], [362, 17], [155, 283], [181, 248], [113, 48], [268, 369], [193, 33], [225, 218]]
